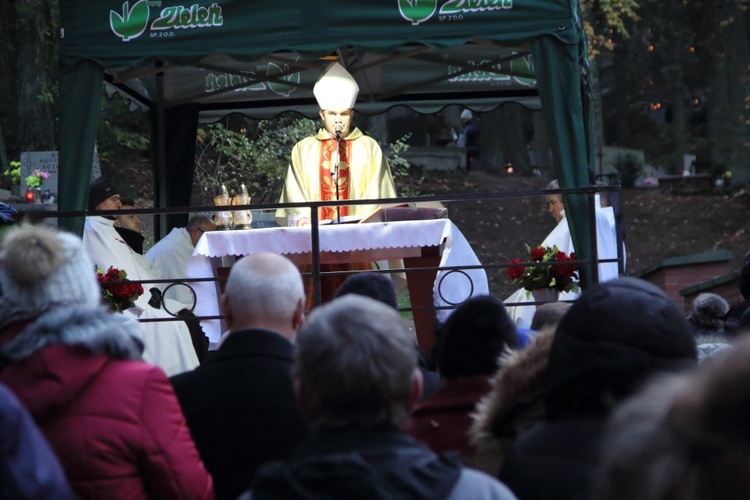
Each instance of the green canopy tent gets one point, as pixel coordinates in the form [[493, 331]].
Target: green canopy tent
[[200, 60]]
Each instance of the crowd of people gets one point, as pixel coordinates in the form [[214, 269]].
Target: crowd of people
[[616, 394], [332, 405]]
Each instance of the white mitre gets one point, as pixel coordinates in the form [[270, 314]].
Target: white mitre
[[336, 89]]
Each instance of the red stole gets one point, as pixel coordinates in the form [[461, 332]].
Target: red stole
[[327, 169]]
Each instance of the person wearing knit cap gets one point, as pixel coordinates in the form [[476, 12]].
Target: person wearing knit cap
[[469, 137], [168, 343], [707, 317], [466, 355], [614, 338], [337, 163], [103, 195], [113, 420]]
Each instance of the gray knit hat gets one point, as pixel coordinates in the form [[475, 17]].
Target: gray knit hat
[[42, 269]]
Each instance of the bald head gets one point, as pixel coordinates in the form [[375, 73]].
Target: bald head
[[264, 290]]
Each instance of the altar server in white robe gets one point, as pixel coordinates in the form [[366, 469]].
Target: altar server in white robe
[[167, 343], [171, 254], [606, 245]]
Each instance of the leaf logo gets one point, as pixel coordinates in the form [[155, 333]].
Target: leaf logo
[[132, 23], [417, 11], [279, 88]]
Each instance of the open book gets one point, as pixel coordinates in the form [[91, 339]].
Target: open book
[[407, 211]]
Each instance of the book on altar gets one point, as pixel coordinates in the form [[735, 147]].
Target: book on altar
[[407, 211]]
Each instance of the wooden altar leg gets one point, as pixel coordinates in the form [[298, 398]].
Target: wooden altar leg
[[421, 285]]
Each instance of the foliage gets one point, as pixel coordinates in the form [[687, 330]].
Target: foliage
[[629, 167], [14, 172], [254, 153], [560, 277], [122, 133], [603, 19], [399, 165]]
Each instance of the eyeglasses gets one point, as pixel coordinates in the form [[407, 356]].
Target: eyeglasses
[[114, 199]]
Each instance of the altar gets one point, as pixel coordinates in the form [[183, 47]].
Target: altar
[[426, 247]]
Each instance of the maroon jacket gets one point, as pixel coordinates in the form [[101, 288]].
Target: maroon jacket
[[115, 424], [443, 420]]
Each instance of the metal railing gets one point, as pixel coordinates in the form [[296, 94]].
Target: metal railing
[[317, 273]]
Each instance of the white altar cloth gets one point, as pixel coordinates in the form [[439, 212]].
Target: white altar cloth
[[451, 288]]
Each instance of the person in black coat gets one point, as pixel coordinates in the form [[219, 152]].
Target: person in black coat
[[735, 314], [612, 340], [239, 404]]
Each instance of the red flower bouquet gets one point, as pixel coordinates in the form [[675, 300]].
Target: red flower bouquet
[[117, 292], [556, 275]]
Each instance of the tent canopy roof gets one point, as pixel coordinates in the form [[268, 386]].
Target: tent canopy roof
[[262, 57], [199, 59]]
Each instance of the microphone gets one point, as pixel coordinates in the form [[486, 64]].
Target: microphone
[[338, 128]]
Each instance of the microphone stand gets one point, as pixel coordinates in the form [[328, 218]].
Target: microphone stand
[[336, 173]]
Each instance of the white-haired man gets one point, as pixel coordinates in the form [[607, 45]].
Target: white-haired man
[[356, 381], [239, 404]]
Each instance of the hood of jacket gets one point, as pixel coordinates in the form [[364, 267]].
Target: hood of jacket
[[53, 359], [359, 463], [514, 403]]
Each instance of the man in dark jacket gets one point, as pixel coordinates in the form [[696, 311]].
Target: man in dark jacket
[[356, 381], [613, 338], [239, 404]]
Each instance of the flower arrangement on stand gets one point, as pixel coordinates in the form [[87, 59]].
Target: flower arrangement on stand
[[117, 292], [34, 183], [36, 179], [557, 276]]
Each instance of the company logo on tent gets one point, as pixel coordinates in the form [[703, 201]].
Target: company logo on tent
[[134, 21], [275, 73], [519, 68], [419, 11], [277, 87]]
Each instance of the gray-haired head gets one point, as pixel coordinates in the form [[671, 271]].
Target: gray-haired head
[[198, 225], [264, 290], [355, 365]]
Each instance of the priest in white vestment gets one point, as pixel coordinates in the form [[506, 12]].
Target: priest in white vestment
[[337, 163], [606, 247], [171, 254], [167, 343]]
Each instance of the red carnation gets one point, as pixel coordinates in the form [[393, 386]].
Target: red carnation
[[515, 271], [537, 254], [566, 270], [561, 256]]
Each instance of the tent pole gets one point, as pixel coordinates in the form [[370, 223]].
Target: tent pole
[[160, 224]]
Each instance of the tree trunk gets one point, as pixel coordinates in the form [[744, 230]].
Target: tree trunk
[[735, 37], [502, 139], [597, 120], [36, 131], [542, 147]]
